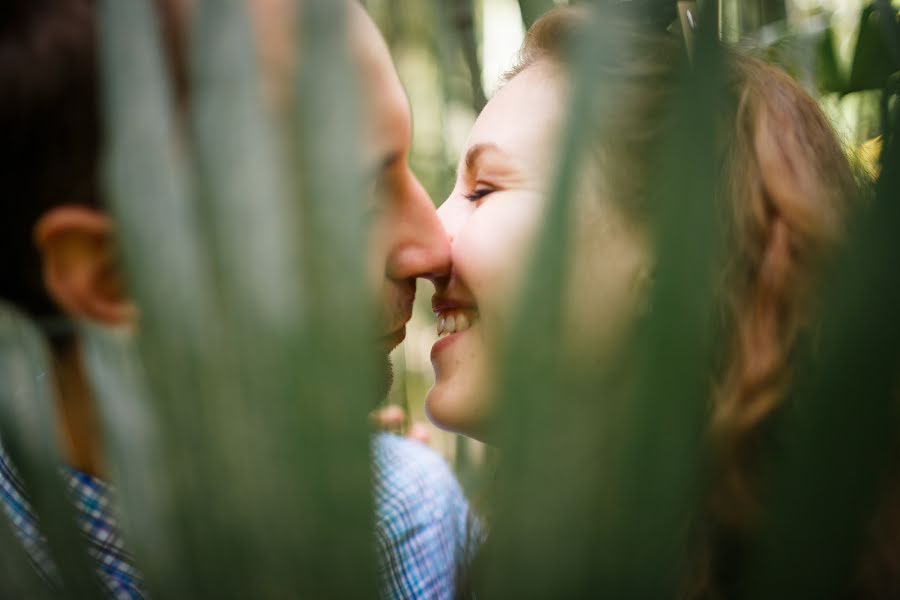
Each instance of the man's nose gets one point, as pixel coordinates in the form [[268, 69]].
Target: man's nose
[[420, 246]]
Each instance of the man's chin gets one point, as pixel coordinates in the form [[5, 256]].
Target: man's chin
[[394, 339], [388, 343], [385, 377]]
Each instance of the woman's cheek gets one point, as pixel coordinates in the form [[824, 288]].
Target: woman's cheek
[[502, 235]]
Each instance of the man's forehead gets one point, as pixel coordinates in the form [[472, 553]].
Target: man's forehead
[[387, 120], [385, 104], [383, 100]]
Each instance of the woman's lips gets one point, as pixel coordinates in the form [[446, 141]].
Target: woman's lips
[[442, 344]]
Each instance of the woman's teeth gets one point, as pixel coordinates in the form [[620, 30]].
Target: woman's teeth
[[454, 321]]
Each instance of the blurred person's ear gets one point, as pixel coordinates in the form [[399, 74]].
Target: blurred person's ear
[[80, 268]]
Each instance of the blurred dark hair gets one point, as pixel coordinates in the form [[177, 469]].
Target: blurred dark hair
[[52, 131]]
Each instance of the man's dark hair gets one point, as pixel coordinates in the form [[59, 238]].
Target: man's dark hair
[[50, 126], [50, 141]]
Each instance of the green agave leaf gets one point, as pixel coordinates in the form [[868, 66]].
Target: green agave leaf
[[29, 433], [132, 449], [330, 420], [599, 474], [149, 193], [245, 346], [658, 404], [244, 192], [20, 579], [243, 182]]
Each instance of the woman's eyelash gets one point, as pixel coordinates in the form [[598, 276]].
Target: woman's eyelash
[[478, 194]]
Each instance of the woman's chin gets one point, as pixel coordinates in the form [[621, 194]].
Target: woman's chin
[[451, 409], [439, 407], [457, 400]]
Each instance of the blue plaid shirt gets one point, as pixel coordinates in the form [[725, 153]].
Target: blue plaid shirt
[[422, 524], [424, 531], [93, 504]]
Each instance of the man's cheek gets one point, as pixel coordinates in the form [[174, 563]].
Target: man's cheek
[[377, 256]]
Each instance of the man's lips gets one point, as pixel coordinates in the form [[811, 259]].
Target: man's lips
[[442, 304]]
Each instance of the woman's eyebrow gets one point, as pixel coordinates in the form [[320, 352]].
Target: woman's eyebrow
[[474, 154]]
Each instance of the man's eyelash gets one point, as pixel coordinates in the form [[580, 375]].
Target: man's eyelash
[[478, 194]]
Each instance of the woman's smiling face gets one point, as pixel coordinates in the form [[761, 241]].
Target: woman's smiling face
[[491, 217]]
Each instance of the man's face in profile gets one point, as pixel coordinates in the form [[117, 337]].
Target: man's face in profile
[[407, 240]]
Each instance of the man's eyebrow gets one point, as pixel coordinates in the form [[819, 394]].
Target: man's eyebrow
[[474, 154], [388, 160]]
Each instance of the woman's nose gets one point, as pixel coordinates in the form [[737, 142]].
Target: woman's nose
[[452, 215]]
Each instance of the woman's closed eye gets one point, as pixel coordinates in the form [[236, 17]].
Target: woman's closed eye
[[478, 193]]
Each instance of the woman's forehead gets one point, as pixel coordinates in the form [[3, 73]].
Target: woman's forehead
[[522, 119]]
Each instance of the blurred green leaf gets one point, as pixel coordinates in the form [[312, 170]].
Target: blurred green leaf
[[461, 15], [532, 9], [330, 426], [264, 445], [658, 399], [872, 58], [830, 76], [151, 197], [543, 534], [20, 579], [28, 428], [756, 14], [839, 438], [600, 468]]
